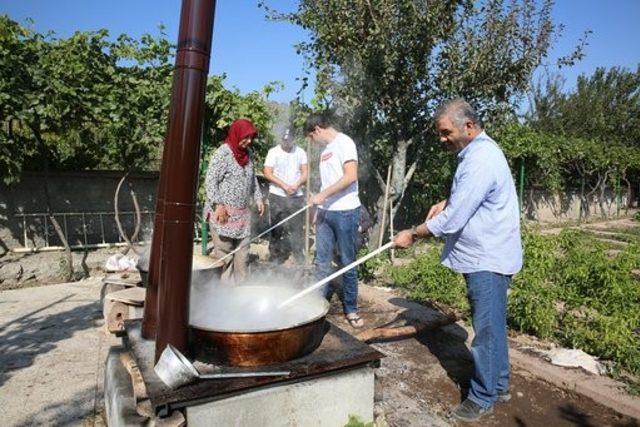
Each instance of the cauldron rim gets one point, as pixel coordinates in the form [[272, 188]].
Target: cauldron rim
[[248, 331]]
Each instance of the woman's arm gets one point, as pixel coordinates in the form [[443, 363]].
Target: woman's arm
[[215, 175]]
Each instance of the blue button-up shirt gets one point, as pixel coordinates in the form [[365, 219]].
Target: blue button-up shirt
[[481, 220]]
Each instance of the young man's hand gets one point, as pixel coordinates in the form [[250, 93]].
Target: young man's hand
[[317, 199]]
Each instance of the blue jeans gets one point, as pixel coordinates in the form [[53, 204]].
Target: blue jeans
[[487, 293], [338, 229]]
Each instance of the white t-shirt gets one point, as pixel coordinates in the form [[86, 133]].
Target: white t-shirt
[[339, 151], [286, 166]]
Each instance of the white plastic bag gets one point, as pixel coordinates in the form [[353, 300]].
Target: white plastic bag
[[119, 262], [575, 358]]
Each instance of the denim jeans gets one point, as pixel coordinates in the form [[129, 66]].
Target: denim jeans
[[338, 230], [487, 292]]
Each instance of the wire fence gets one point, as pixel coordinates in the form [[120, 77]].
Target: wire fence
[[82, 230]]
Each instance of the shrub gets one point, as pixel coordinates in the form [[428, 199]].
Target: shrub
[[569, 290], [427, 280]]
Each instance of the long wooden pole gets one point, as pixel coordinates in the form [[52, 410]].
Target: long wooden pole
[[393, 251], [384, 207], [307, 215], [329, 278], [180, 169]]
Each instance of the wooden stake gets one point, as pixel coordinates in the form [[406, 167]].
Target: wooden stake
[[384, 207], [307, 215], [393, 251]]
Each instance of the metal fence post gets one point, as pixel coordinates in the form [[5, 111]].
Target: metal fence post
[[24, 230], [521, 186], [102, 227], [84, 228], [46, 229]]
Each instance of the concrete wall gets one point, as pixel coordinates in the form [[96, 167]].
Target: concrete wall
[[91, 191], [541, 206]]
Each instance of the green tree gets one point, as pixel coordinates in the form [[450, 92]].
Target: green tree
[[385, 64], [55, 91], [598, 123], [133, 128], [603, 106], [86, 102]]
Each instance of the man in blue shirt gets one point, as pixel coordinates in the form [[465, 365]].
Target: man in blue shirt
[[481, 224]]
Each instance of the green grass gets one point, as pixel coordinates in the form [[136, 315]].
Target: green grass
[[570, 291]]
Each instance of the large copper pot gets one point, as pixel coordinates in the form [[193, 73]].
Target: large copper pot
[[242, 326]]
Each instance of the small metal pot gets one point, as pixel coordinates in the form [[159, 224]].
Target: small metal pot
[[204, 268], [175, 370]]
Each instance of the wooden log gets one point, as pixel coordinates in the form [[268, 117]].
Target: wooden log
[[176, 419], [140, 395], [126, 279], [404, 331], [108, 288], [132, 296], [115, 313]]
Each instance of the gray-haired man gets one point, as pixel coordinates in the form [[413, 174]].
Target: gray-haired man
[[481, 223]]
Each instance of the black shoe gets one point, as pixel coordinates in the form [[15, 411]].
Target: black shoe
[[470, 411], [504, 396]]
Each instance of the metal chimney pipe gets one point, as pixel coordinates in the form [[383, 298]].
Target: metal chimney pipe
[[150, 317], [180, 170]]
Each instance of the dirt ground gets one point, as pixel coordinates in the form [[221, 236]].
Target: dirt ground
[[422, 378]]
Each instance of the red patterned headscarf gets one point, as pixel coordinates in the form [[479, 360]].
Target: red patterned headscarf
[[239, 130]]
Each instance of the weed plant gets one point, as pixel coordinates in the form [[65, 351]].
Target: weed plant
[[569, 291]]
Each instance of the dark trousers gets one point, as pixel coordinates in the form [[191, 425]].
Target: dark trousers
[[287, 238]]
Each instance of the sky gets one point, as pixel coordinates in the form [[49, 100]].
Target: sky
[[253, 51]]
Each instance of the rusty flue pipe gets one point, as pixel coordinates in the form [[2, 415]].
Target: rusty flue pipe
[[180, 171]]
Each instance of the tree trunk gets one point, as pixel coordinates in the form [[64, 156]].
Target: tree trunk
[[400, 178], [601, 196], [56, 226]]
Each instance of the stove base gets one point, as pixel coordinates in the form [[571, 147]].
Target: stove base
[[328, 400], [120, 406]]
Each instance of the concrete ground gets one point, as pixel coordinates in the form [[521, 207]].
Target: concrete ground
[[52, 353]]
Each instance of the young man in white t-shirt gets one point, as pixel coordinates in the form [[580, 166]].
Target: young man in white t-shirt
[[338, 213], [286, 169]]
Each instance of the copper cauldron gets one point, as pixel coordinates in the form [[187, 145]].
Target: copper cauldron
[[242, 326]]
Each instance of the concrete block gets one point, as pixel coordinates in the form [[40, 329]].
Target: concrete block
[[120, 406], [327, 401]]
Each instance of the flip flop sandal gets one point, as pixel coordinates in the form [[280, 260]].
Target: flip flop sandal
[[355, 321]]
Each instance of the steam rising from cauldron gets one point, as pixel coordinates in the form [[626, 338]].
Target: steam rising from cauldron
[[251, 306]]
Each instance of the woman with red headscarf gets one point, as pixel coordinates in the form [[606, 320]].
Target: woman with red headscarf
[[231, 185]]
